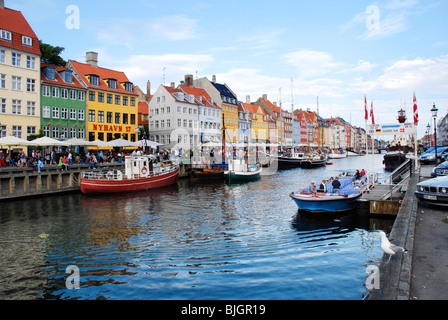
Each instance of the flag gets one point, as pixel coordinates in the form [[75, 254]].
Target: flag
[[415, 111], [365, 108], [371, 113], [49, 124], [58, 124]]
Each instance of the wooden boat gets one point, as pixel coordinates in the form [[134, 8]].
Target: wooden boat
[[337, 154], [314, 161], [238, 170], [215, 173], [141, 173], [345, 199]]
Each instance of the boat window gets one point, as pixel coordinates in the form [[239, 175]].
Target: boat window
[[144, 163]]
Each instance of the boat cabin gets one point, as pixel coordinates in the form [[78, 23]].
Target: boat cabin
[[138, 166]]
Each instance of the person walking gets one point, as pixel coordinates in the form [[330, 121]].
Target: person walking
[[2, 159]]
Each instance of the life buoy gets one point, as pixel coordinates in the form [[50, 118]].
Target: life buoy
[[109, 175], [144, 170]]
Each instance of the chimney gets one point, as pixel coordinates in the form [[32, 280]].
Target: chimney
[[248, 99], [189, 80], [148, 90], [265, 96], [213, 78], [2, 4], [91, 58], [173, 85]]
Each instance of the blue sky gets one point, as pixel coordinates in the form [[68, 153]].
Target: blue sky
[[290, 50]]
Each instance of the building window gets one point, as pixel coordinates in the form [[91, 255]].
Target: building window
[[129, 87], [81, 95], [125, 118], [109, 117], [30, 62], [2, 56], [17, 131], [109, 98], [117, 117], [31, 108], [64, 133], [113, 84], [16, 107], [46, 131], [72, 114], [91, 95], [72, 133], [30, 85], [100, 116], [2, 81], [72, 94], [132, 102], [46, 91], [64, 93], [92, 115], [133, 118], [94, 80], [55, 113], [118, 99], [100, 97], [46, 112], [16, 83], [64, 113], [81, 114], [125, 101], [27, 41], [68, 75], [2, 105], [5, 35], [81, 133], [55, 132], [55, 92], [16, 59]]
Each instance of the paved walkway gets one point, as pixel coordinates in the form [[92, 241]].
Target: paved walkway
[[429, 274]]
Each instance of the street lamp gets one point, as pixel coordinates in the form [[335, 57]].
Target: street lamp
[[434, 115], [428, 133]]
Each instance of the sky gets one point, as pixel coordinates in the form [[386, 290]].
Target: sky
[[292, 50]]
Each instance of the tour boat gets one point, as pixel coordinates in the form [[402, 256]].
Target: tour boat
[[338, 154], [238, 170], [345, 199], [141, 173]]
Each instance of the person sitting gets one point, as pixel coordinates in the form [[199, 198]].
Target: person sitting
[[322, 187], [362, 173], [357, 175], [313, 188], [336, 185]]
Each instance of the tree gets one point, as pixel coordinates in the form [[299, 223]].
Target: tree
[[51, 54]]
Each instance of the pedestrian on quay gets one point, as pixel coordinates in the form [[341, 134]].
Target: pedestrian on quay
[[52, 157], [2, 159]]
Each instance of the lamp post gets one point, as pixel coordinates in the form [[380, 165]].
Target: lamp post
[[434, 115], [428, 135]]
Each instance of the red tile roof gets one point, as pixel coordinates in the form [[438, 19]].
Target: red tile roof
[[15, 22], [199, 92], [84, 70], [58, 79], [143, 107]]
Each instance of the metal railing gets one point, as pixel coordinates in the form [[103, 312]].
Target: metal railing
[[398, 177]]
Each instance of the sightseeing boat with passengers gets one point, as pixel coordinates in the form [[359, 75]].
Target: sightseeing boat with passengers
[[344, 199], [141, 173]]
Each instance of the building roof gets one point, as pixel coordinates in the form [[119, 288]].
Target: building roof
[[143, 107], [225, 92], [14, 22], [205, 100], [85, 70], [58, 79]]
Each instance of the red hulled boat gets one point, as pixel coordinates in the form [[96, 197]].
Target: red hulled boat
[[141, 173]]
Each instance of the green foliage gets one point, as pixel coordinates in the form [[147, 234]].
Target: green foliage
[[51, 54]]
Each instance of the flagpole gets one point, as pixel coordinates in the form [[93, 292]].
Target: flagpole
[[415, 137], [373, 146], [366, 116]]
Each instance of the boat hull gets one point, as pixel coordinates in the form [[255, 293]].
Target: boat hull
[[393, 161], [313, 163], [207, 175], [233, 176], [288, 163], [92, 186], [326, 204]]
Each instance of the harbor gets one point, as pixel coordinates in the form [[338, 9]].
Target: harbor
[[189, 241]]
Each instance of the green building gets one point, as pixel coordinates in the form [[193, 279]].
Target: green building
[[63, 104]]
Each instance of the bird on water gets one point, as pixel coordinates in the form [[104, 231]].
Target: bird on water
[[389, 248]]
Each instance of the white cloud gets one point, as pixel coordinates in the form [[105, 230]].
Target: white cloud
[[311, 63]]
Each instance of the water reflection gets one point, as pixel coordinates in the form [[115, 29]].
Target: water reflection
[[188, 241]]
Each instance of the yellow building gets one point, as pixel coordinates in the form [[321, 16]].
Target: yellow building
[[259, 125], [112, 106], [19, 76]]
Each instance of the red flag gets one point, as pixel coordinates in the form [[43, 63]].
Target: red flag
[[58, 124], [76, 124], [371, 114], [49, 124], [415, 111], [365, 108]]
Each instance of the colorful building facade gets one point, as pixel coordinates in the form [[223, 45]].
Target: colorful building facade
[[111, 101]]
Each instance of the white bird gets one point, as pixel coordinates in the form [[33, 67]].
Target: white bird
[[388, 247]]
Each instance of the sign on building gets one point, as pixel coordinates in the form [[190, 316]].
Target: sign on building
[[392, 129]]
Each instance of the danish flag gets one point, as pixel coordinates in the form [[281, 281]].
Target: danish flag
[[365, 108], [415, 111], [371, 113]]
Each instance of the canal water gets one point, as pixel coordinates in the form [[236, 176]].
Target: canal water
[[189, 241]]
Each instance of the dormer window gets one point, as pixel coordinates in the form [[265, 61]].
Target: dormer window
[[129, 87], [27, 41], [113, 84], [5, 35], [94, 80], [50, 73], [68, 76]]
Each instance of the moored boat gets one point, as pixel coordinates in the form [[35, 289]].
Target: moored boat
[[345, 199], [238, 170], [141, 173]]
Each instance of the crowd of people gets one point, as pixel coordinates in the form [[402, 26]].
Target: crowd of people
[[336, 184]]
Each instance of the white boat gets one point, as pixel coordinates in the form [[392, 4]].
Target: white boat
[[338, 155], [239, 170]]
